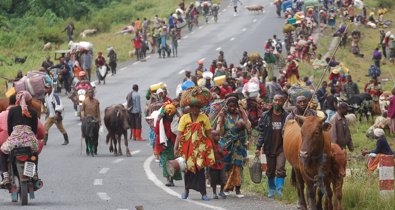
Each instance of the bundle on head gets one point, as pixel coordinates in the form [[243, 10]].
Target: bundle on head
[[198, 96]]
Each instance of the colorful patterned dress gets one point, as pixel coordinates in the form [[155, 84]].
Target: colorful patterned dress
[[234, 142], [196, 149]]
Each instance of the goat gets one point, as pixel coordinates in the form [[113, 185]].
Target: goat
[[20, 60]]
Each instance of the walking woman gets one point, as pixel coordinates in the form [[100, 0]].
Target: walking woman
[[165, 139], [233, 125], [194, 142]]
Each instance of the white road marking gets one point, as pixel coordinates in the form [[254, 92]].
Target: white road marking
[[135, 152], [224, 10], [244, 29], [192, 32], [231, 39], [103, 196], [104, 170], [98, 182], [148, 57], [181, 72], [151, 176], [79, 124], [137, 62], [220, 13], [122, 209], [118, 160], [122, 69], [200, 27], [218, 49], [254, 20], [185, 36]]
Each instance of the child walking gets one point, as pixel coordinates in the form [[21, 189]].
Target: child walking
[[217, 171]]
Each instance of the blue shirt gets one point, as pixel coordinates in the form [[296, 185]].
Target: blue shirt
[[136, 106]]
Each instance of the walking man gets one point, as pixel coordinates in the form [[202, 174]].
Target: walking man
[[70, 30], [113, 61], [235, 3], [86, 63], [134, 108], [90, 113], [270, 138], [54, 107], [340, 132]]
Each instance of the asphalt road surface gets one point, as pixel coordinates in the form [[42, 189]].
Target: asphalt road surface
[[75, 181]]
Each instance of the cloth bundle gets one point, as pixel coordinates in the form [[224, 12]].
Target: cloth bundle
[[198, 96]]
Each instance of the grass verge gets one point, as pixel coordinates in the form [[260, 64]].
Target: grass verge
[[360, 190]]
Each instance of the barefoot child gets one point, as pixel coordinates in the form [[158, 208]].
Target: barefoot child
[[217, 171]]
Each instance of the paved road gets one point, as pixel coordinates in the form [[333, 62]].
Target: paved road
[[74, 181]]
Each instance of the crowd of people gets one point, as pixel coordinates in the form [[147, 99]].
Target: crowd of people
[[219, 111], [246, 100]]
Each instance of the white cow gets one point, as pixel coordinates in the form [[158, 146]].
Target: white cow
[[87, 32]]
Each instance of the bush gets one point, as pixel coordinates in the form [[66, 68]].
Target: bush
[[49, 35], [101, 23], [386, 3]]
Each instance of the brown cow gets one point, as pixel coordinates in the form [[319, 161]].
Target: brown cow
[[307, 148], [338, 166], [116, 120], [36, 105]]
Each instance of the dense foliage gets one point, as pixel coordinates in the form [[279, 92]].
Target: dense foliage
[[26, 21]]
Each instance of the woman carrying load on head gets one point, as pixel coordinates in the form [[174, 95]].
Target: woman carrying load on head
[[194, 141], [233, 124], [165, 139], [292, 70]]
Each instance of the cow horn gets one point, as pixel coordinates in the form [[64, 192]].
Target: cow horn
[[324, 119], [118, 113], [299, 119]]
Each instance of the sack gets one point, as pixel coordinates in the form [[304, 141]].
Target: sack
[[288, 28], [374, 71], [103, 71], [256, 171], [35, 86], [298, 90], [20, 84]]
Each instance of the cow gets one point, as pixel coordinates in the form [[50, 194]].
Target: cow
[[117, 122], [88, 32], [338, 167], [36, 105], [361, 105], [315, 162], [307, 148], [90, 132], [20, 60]]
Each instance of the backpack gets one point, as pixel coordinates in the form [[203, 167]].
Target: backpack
[[374, 71]]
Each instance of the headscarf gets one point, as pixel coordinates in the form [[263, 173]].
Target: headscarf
[[21, 98], [169, 108]]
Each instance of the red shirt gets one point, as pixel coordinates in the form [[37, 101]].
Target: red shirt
[[169, 134], [219, 154], [137, 42], [100, 61]]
